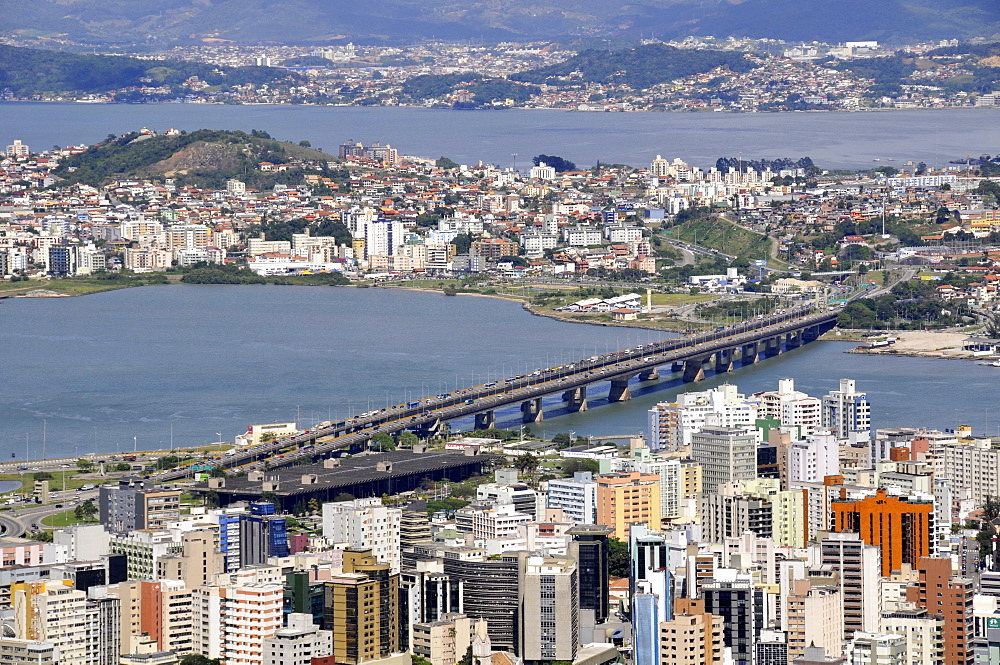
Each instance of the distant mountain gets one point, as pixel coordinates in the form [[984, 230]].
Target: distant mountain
[[323, 21]]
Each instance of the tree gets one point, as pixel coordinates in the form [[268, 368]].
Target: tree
[[407, 439], [305, 144], [445, 163], [85, 511], [84, 464], [343, 496], [562, 439], [168, 462], [467, 659], [313, 505], [992, 330], [198, 659], [558, 163], [382, 442], [212, 499], [42, 475], [271, 497], [527, 464], [123, 466], [619, 560]]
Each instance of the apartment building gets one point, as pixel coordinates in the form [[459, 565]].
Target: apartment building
[[624, 499]]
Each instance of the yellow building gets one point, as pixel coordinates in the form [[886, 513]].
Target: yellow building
[[624, 499], [361, 608]]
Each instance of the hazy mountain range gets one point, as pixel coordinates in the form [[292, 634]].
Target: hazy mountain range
[[324, 21]]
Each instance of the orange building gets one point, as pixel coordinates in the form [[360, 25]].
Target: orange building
[[624, 499], [899, 527], [951, 598]]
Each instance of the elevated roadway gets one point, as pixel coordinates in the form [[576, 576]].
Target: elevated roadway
[[720, 349]]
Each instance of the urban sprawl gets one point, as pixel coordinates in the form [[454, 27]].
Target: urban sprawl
[[766, 529]]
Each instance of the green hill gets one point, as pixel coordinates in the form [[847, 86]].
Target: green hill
[[31, 71], [203, 158], [639, 68]]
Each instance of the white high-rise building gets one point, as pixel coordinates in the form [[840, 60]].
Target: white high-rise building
[[792, 407], [680, 484], [233, 617], [365, 524], [298, 642], [576, 497], [816, 457], [846, 410], [382, 237], [876, 649], [671, 424]]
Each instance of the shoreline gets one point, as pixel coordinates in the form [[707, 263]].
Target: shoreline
[[940, 344]]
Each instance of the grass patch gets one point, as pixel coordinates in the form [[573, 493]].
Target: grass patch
[[56, 482], [720, 235], [679, 298], [64, 519]]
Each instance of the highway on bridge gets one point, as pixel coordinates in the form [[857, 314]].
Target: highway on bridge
[[527, 390]]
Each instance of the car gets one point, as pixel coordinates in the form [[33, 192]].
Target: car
[[59, 505]]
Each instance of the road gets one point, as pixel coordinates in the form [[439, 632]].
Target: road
[[22, 520]]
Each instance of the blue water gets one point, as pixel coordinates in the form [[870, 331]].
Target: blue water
[[833, 140], [141, 367]]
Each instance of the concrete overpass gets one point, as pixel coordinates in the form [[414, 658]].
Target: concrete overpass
[[721, 350]]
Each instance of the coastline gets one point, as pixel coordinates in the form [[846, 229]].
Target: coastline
[[945, 345]]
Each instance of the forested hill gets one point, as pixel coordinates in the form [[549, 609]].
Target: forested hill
[[27, 71], [203, 158], [639, 68]]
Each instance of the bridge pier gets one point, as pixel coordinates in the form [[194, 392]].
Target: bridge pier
[[619, 391], [772, 347], [724, 360], [429, 429], [531, 411], [486, 420], [650, 374], [694, 370], [748, 353], [576, 399], [677, 367], [794, 339]]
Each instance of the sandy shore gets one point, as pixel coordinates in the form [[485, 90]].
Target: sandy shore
[[923, 343]]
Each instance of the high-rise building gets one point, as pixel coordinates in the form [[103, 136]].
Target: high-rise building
[[53, 611], [649, 571], [725, 455], [814, 458], [576, 497], [297, 643], [900, 527], [692, 637], [671, 424], [846, 410], [731, 511], [680, 486], [858, 568], [812, 617], [233, 616], [732, 596], [443, 642], [876, 649], [160, 611], [550, 604], [792, 407], [362, 611], [15, 651], [131, 506], [365, 524], [942, 594], [924, 633], [590, 549], [624, 499]]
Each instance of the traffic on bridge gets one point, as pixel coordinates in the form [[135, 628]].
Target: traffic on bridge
[[766, 335]]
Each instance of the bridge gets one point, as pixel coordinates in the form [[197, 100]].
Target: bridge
[[720, 350]]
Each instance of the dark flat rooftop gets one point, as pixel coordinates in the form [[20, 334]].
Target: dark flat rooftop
[[352, 470]]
